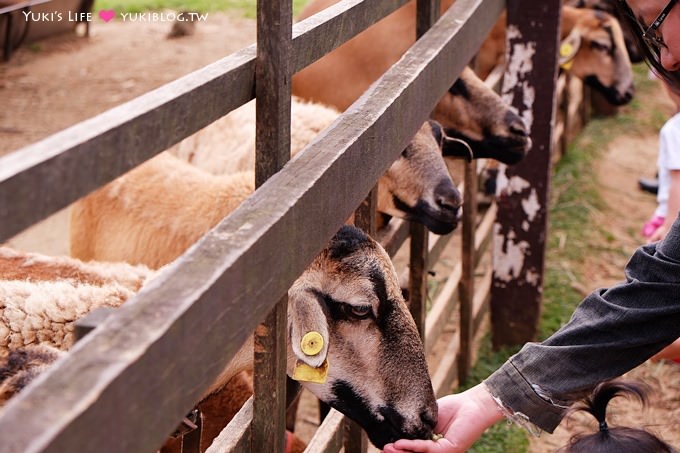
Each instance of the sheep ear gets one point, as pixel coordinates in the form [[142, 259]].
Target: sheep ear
[[455, 147], [437, 131], [308, 329], [569, 47]]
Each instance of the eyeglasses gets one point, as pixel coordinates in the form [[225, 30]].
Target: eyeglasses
[[651, 35]]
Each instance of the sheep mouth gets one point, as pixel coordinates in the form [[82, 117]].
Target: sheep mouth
[[439, 221], [611, 93], [508, 149], [383, 427], [436, 226]]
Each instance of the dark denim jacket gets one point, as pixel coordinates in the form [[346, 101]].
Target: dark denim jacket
[[611, 332]]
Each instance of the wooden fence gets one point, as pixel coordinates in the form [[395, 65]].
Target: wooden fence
[[190, 321]]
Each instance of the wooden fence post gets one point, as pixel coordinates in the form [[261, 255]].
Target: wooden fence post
[[272, 89], [467, 279], [427, 14], [520, 229]]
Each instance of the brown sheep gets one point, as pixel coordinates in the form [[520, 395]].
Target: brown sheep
[[469, 111], [350, 301], [150, 215], [21, 366], [609, 6], [417, 186], [593, 49]]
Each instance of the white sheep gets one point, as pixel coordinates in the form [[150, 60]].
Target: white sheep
[[41, 296], [228, 145], [152, 214], [416, 187]]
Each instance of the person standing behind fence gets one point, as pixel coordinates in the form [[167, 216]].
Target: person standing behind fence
[[611, 332], [668, 163]]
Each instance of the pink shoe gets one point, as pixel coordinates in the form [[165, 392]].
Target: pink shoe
[[652, 225]]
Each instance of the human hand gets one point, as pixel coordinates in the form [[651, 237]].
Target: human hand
[[462, 419]]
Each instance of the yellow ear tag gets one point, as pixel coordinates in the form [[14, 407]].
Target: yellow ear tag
[[306, 373], [311, 343], [566, 49]]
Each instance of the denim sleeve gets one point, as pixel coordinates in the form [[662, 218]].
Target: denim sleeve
[[611, 332]]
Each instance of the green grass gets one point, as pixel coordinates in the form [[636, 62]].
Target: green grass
[[502, 437], [245, 8], [572, 235]]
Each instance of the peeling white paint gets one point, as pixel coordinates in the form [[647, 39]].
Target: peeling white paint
[[529, 99], [509, 251], [509, 263], [523, 57], [501, 179], [508, 186], [533, 277], [531, 205], [520, 65], [516, 184]]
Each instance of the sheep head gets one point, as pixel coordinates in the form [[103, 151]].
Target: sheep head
[[601, 59], [472, 112], [418, 185], [364, 335]]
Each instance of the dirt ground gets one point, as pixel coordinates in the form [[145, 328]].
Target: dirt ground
[[56, 83]]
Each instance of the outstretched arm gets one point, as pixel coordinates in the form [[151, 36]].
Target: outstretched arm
[[612, 331], [462, 420]]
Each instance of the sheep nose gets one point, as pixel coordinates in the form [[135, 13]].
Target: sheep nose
[[516, 125], [447, 196], [425, 429], [428, 419], [627, 96]]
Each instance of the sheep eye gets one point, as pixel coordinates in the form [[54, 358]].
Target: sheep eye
[[600, 46], [358, 311]]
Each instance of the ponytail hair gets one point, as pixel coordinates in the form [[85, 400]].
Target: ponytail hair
[[614, 439]]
